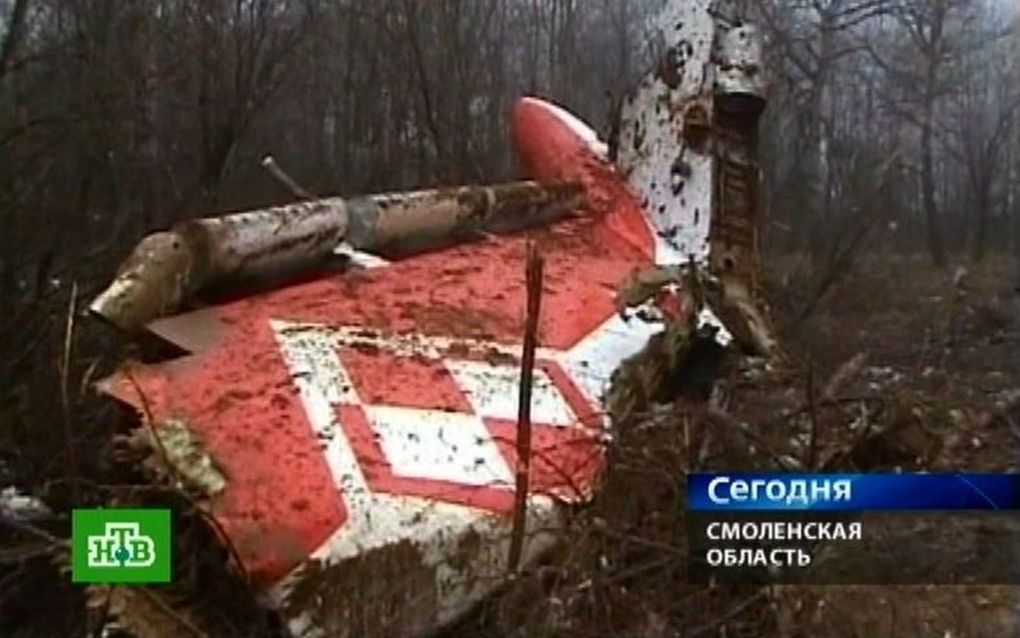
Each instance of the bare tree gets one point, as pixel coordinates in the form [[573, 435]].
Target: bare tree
[[117, 116], [936, 32], [984, 114]]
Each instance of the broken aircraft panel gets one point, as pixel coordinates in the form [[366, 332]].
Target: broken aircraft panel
[[354, 435], [365, 422]]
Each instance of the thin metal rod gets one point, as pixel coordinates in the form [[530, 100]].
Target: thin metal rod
[[281, 176], [533, 278]]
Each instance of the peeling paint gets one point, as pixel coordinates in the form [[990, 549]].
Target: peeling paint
[[421, 572], [189, 457]]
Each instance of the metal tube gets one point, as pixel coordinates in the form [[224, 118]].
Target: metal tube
[[168, 268]]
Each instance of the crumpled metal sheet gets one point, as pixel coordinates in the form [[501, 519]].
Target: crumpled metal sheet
[[688, 144], [365, 422]]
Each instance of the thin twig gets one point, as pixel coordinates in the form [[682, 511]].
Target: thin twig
[[150, 425], [812, 450], [633, 571], [736, 610], [19, 555], [784, 417], [726, 418], [1014, 428], [650, 543], [568, 481], [65, 367], [533, 277]]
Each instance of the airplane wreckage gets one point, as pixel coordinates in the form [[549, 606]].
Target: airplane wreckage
[[361, 436]]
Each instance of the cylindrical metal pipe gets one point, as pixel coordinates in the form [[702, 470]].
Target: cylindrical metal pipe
[[167, 268], [740, 76], [404, 222]]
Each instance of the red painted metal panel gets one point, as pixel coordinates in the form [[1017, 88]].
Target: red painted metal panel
[[463, 306]]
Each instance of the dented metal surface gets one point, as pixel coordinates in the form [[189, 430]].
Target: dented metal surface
[[405, 222], [739, 72], [738, 103], [688, 142], [167, 268], [665, 132], [688, 138]]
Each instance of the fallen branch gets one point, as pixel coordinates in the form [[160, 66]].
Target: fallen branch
[[65, 402], [845, 372], [29, 529]]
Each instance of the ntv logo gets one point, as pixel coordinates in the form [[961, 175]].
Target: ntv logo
[[121, 545]]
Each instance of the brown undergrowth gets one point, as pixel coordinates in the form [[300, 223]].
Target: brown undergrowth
[[898, 367]]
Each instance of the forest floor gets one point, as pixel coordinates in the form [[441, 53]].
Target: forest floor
[[930, 360], [925, 360]]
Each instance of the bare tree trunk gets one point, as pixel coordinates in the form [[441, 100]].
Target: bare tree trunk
[[936, 242], [982, 206], [1013, 199]]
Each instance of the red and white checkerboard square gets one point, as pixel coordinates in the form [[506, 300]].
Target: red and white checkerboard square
[[441, 446], [435, 418], [493, 392]]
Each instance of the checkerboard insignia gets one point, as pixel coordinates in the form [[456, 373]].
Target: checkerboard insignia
[[436, 417]]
